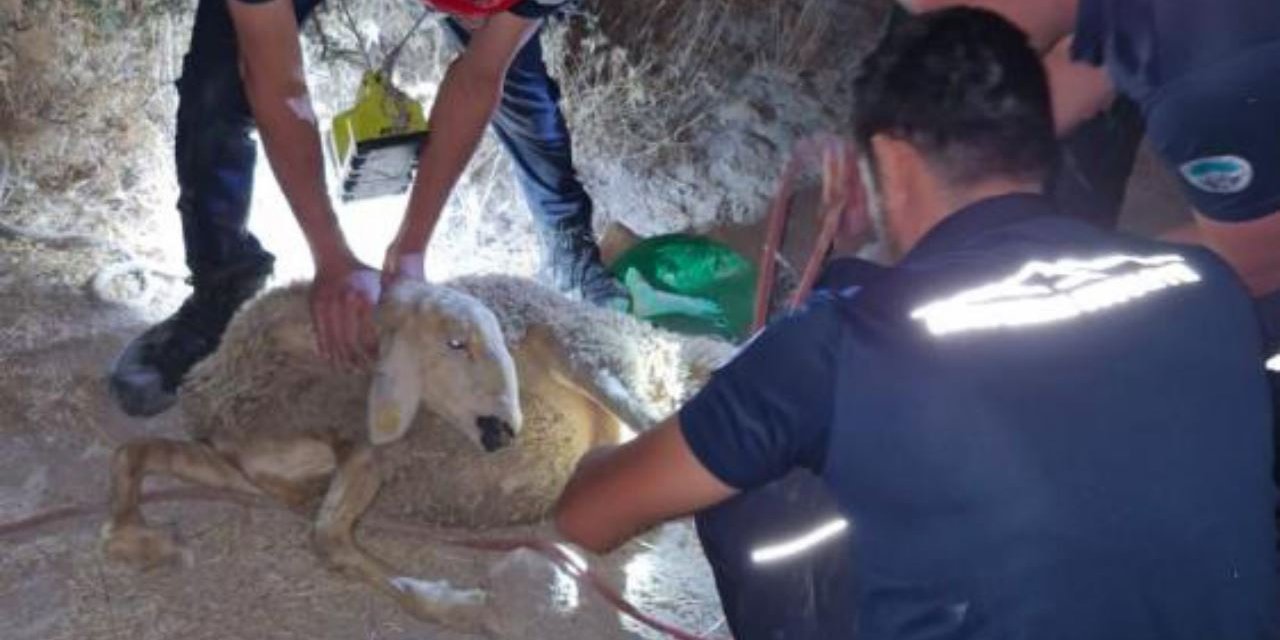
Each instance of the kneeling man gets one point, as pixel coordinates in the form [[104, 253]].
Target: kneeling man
[[1027, 428]]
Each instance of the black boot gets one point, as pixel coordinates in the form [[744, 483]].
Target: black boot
[[145, 378], [572, 261]]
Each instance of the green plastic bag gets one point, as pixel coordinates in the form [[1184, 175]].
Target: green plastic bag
[[690, 284]]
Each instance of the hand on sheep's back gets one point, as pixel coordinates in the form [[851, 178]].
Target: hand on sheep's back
[[343, 296]]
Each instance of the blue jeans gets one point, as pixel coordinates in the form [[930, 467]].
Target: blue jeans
[[811, 596], [215, 155], [531, 127]]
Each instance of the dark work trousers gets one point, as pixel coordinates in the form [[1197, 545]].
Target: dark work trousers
[[810, 596], [214, 153], [216, 156], [531, 127], [1095, 163]]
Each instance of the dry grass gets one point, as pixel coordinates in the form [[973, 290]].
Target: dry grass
[[641, 75], [683, 113], [84, 109]]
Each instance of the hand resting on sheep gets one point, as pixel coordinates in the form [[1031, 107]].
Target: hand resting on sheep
[[516, 384]]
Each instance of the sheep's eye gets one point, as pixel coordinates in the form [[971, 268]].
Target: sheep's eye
[[456, 344]]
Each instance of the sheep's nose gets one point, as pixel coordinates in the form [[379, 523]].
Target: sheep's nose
[[494, 433]]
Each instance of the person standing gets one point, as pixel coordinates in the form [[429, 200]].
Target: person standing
[[244, 68]]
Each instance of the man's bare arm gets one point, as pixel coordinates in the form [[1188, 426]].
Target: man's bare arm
[[468, 96], [275, 83], [342, 295], [616, 494]]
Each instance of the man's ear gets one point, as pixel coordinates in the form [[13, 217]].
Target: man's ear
[[894, 164], [395, 392]]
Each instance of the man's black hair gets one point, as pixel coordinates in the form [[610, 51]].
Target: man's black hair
[[964, 87]]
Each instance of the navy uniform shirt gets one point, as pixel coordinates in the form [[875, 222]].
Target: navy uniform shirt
[[1148, 44], [1207, 76], [1037, 429]]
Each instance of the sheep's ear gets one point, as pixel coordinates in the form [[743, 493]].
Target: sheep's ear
[[395, 392]]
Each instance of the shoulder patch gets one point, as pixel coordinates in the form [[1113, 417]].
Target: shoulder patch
[[1218, 174]]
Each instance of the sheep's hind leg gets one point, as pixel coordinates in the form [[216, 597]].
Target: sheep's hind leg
[[354, 486], [126, 537]]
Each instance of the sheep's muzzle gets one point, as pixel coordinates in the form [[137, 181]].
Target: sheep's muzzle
[[494, 433]]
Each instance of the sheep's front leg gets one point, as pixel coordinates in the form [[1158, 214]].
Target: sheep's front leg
[[354, 486], [126, 536]]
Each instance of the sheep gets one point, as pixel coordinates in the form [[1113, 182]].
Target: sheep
[[512, 368]]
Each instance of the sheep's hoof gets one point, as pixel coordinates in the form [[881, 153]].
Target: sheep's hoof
[[143, 547], [338, 554], [442, 603]]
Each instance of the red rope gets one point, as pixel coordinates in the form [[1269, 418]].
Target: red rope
[[555, 553], [777, 225], [842, 194]]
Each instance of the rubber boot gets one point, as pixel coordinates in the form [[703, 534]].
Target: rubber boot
[[145, 378], [572, 262]]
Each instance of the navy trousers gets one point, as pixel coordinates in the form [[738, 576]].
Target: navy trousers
[[215, 155], [531, 127], [810, 596]]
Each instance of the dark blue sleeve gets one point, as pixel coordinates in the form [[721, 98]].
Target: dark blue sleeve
[[769, 409], [535, 9], [1089, 40]]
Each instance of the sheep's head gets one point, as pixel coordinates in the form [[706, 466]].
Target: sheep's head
[[445, 349]]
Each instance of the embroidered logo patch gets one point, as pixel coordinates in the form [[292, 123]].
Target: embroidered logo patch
[[1219, 174]]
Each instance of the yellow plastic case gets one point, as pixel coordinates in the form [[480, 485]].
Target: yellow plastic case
[[374, 145]]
